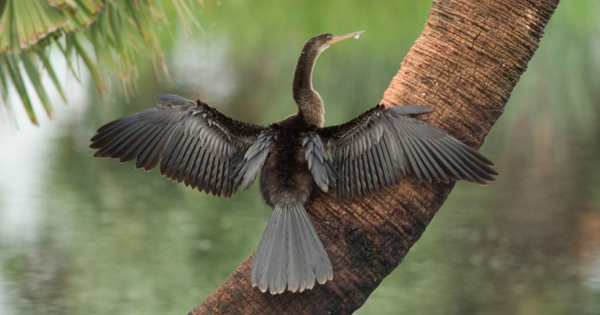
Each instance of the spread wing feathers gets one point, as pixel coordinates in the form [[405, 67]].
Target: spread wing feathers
[[290, 253], [380, 146], [254, 159], [194, 143], [320, 166]]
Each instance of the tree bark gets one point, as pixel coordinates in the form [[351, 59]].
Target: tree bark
[[464, 66]]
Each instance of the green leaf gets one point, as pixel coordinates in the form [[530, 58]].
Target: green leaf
[[96, 76], [12, 64], [24, 23], [29, 62], [52, 74]]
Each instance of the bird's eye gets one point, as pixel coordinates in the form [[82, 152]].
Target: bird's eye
[[329, 37]]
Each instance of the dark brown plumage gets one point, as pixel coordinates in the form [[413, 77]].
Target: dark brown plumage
[[207, 150]]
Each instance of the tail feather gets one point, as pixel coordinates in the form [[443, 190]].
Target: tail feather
[[290, 254]]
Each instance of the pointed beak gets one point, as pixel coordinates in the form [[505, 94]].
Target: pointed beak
[[338, 38]]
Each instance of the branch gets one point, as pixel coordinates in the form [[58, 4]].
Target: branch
[[464, 66]]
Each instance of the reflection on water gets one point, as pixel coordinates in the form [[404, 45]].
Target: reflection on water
[[80, 235], [19, 220]]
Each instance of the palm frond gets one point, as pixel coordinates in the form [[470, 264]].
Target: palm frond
[[108, 36]]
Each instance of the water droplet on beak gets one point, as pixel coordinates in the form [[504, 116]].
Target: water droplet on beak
[[357, 36]]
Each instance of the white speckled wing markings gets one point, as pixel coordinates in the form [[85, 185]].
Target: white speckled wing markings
[[321, 168], [194, 143], [290, 254], [376, 149]]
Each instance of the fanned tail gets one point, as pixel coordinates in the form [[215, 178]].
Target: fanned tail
[[290, 253]]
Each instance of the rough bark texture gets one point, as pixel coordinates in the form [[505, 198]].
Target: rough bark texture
[[464, 66]]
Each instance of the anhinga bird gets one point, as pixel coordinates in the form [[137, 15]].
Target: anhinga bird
[[209, 151]]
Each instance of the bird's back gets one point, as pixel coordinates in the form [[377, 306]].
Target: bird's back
[[285, 175]]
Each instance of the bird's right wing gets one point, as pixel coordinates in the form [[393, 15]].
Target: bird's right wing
[[376, 149], [195, 143]]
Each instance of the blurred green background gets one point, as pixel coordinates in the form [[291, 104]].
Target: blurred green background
[[80, 235]]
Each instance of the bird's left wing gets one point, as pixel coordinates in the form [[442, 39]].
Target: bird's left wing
[[376, 149], [195, 143]]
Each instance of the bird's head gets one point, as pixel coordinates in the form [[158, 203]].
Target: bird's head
[[321, 42]]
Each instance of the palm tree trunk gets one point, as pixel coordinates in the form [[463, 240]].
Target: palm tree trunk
[[464, 65]]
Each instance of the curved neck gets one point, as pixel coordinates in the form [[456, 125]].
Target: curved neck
[[310, 104]]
